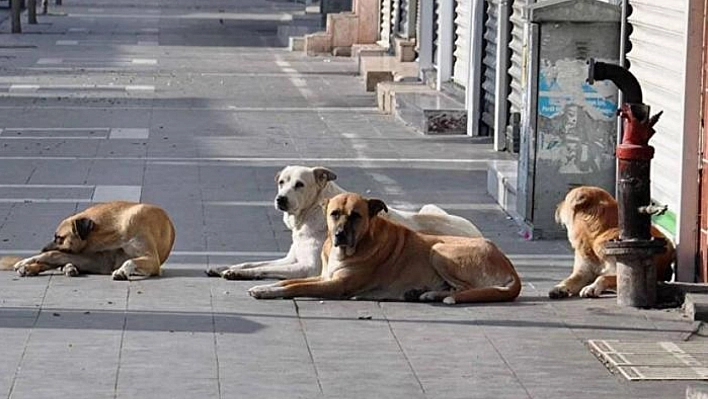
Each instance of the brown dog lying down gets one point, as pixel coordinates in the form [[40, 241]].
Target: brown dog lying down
[[119, 238], [590, 216], [369, 257]]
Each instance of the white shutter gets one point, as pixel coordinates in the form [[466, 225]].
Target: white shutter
[[386, 14], [408, 12], [436, 39], [658, 59], [516, 45], [463, 18], [489, 61]]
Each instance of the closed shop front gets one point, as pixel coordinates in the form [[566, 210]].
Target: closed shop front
[[657, 58]]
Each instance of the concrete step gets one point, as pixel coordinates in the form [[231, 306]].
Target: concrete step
[[368, 50], [431, 112], [386, 93], [296, 43], [318, 43], [697, 391], [501, 184], [404, 49], [696, 306], [377, 69]]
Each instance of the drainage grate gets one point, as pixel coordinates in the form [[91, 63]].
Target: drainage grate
[[654, 360]]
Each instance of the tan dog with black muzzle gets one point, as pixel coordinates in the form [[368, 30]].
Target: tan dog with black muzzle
[[119, 238], [369, 257]]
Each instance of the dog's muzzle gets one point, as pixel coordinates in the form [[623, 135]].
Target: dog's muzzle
[[342, 238], [281, 203]]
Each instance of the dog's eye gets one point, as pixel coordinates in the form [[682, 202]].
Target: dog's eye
[[335, 214], [299, 184], [354, 216], [281, 182], [58, 239]]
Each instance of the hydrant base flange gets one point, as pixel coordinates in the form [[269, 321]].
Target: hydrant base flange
[[625, 247]]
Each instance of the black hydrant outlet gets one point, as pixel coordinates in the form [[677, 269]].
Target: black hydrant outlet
[[635, 248], [622, 78]]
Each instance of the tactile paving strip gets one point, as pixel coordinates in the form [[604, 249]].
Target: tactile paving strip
[[654, 360]]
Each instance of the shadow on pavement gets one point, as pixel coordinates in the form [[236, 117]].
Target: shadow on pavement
[[82, 319]]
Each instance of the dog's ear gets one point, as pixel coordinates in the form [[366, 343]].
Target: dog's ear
[[277, 176], [323, 175], [580, 201], [82, 227], [559, 212], [376, 206]]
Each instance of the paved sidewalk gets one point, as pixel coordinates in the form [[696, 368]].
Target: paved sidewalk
[[192, 106]]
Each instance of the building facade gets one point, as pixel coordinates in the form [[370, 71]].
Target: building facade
[[481, 48]]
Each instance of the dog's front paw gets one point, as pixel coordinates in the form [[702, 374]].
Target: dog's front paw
[[239, 274], [120, 275], [591, 291], [429, 296], [230, 274], [558, 292], [214, 271], [265, 291], [70, 270], [25, 271], [22, 265]]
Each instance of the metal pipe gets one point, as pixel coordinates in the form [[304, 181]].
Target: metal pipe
[[621, 77]]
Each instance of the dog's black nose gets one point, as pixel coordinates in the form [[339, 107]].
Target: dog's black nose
[[281, 202], [340, 238]]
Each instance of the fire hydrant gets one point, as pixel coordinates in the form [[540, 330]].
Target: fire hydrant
[[635, 248]]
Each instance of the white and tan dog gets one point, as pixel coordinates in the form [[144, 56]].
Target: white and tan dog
[[366, 256], [301, 192], [119, 238], [590, 216]]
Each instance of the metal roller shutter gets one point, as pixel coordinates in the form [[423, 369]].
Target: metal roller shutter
[[385, 34], [657, 59], [395, 16], [408, 12], [516, 45], [489, 62], [436, 39], [463, 17]]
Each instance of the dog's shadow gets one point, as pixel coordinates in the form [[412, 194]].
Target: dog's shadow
[[182, 272]]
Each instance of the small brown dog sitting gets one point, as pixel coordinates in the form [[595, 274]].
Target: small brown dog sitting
[[589, 214], [369, 257], [119, 238]]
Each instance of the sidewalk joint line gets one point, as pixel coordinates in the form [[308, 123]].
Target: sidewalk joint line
[[122, 339], [307, 345], [400, 347], [216, 340], [506, 363], [29, 336]]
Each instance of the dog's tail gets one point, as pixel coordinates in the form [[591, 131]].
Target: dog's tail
[[7, 262], [503, 293]]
